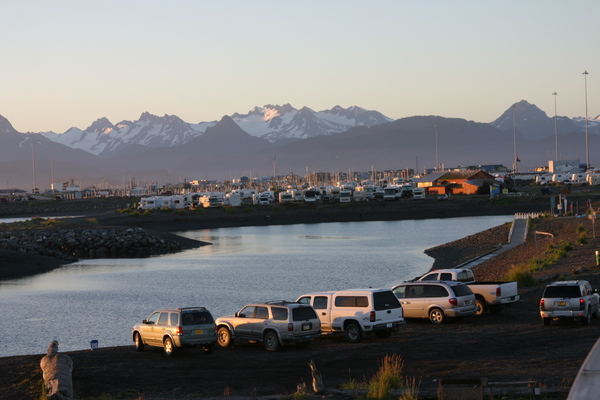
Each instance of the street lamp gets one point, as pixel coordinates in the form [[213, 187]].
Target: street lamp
[[555, 126], [587, 147], [436, 149], [516, 167]]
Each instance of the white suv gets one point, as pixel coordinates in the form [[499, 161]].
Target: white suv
[[569, 299], [273, 323], [358, 311]]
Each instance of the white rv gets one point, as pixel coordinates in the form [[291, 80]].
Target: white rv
[[418, 193]]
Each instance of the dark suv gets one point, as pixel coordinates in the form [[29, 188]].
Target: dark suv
[[173, 328]]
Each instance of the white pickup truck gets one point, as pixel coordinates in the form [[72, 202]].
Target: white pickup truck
[[491, 296]]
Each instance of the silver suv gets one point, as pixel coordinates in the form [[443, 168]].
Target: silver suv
[[569, 299], [273, 323], [436, 300], [177, 327]]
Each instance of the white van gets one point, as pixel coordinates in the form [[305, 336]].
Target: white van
[[357, 312]]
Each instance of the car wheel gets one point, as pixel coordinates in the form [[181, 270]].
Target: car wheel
[[353, 333], [224, 337], [139, 343], [271, 341], [587, 320], [383, 334], [209, 349], [169, 347], [437, 316], [480, 304], [547, 321]]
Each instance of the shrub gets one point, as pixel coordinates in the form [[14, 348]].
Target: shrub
[[580, 228], [582, 239], [387, 378], [92, 221], [522, 275], [230, 209], [136, 213]]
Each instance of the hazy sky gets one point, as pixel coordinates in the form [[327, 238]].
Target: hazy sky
[[68, 63]]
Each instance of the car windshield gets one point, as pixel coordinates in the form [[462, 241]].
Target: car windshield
[[562, 292], [303, 313], [197, 318]]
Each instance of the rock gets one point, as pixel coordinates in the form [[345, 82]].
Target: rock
[[57, 373]]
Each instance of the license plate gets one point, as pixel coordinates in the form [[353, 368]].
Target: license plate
[[199, 331], [306, 327], [562, 303], [388, 325]]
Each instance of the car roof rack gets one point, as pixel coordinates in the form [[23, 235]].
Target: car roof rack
[[281, 302], [191, 308]]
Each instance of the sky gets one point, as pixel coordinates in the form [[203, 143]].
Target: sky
[[66, 64]]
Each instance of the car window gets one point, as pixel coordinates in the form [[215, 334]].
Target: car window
[[445, 276], [465, 276], [247, 312], [154, 318], [414, 291], [279, 313], [461, 290], [163, 319], [399, 291], [351, 301], [560, 292], [385, 300], [303, 313], [430, 277], [320, 303], [435, 291], [197, 318], [262, 313], [304, 300], [174, 319]]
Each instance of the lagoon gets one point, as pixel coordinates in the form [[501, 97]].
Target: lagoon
[[102, 299]]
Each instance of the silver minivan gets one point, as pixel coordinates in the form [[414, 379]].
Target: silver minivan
[[436, 300]]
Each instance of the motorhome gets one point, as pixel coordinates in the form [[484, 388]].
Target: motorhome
[[264, 199], [345, 196], [406, 190], [593, 179], [418, 193], [391, 193], [286, 198], [311, 196], [212, 200], [233, 199]]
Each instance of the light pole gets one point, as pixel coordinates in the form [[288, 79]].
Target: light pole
[[555, 126], [436, 149], [516, 167], [587, 143]]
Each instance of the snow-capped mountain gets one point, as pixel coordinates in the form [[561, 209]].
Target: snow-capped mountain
[[105, 139], [285, 122], [270, 122]]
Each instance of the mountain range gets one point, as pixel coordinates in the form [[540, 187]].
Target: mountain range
[[282, 140]]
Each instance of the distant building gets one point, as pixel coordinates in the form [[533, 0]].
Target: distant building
[[456, 182]]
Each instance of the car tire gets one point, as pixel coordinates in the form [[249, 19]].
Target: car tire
[[209, 349], [139, 343], [480, 304], [383, 334], [224, 337], [546, 321], [169, 347], [353, 332], [437, 316], [271, 341], [587, 320]]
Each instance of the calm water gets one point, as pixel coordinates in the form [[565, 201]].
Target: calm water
[[102, 299]]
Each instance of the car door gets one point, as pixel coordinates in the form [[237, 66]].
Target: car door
[[147, 329], [258, 323], [242, 323], [412, 300]]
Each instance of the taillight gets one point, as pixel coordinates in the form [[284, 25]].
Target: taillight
[[372, 316], [498, 291], [542, 304], [582, 304], [179, 330], [290, 327], [216, 328], [453, 301]]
